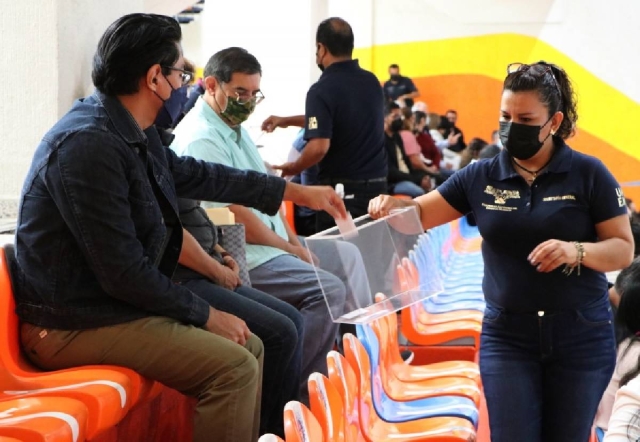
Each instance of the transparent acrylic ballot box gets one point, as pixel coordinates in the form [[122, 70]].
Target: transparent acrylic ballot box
[[373, 259]]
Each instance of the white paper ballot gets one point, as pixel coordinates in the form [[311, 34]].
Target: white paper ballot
[[347, 227]]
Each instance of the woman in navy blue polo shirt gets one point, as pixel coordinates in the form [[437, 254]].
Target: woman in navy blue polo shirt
[[553, 221]]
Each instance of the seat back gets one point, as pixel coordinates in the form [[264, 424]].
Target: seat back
[[344, 379], [10, 355], [288, 209], [300, 425], [327, 407], [359, 359], [389, 325]]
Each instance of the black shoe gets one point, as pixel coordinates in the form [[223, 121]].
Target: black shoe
[[407, 356]]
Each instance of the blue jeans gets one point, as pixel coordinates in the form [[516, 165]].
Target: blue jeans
[[545, 372], [295, 282], [280, 327], [408, 188]]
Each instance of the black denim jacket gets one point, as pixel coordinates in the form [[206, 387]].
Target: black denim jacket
[[98, 234]]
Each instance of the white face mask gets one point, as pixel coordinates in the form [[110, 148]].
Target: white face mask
[[428, 120]]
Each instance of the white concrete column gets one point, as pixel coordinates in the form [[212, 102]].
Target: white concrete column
[[48, 47], [28, 90]]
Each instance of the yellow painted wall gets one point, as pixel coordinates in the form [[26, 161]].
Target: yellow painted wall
[[466, 74]]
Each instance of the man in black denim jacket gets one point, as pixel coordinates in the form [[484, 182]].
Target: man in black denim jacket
[[99, 237]]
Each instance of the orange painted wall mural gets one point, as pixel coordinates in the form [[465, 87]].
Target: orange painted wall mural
[[466, 74]]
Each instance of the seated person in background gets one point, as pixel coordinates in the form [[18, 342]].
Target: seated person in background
[[411, 146], [304, 218], [212, 274], [451, 148], [629, 274], [401, 177], [627, 364], [278, 262], [452, 116], [193, 94], [489, 151], [624, 424], [420, 106], [471, 153], [428, 148]]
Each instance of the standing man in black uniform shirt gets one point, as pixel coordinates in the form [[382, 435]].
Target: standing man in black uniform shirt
[[344, 124], [399, 88]]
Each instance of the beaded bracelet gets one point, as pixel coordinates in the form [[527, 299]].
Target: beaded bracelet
[[568, 269]]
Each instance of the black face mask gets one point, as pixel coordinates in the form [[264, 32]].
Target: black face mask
[[396, 125], [321, 67], [395, 77], [521, 140]]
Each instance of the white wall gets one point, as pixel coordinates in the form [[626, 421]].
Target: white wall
[[600, 35], [48, 46], [28, 98]]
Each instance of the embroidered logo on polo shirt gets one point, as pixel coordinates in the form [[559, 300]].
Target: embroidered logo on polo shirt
[[559, 198], [501, 196], [621, 201], [313, 123]]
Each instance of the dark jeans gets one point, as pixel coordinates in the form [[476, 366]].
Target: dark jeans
[[280, 327], [357, 197], [544, 372]]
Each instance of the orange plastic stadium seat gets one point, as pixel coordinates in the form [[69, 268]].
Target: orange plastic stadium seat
[[289, 213], [385, 329], [51, 419], [267, 438], [345, 382], [359, 406], [300, 425], [398, 390], [435, 334], [107, 391], [327, 407]]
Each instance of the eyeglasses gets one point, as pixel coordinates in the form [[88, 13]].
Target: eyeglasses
[[185, 76], [246, 97], [536, 69]]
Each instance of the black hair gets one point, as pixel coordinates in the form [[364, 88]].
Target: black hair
[[394, 66], [391, 107], [223, 64], [419, 116], [130, 47], [337, 36], [635, 232], [629, 319], [477, 144], [554, 89], [444, 123], [628, 276]]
